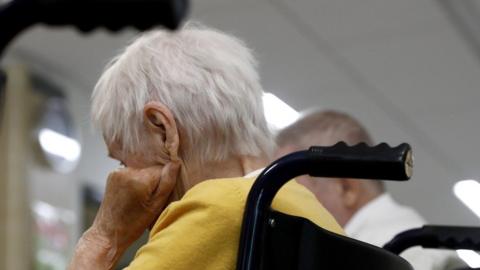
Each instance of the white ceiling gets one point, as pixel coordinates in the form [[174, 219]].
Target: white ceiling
[[400, 66]]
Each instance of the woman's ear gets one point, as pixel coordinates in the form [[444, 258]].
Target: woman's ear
[[160, 122]]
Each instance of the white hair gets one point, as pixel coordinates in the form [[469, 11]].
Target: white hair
[[209, 81]]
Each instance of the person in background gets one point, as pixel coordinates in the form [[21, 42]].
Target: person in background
[[183, 113], [362, 207]]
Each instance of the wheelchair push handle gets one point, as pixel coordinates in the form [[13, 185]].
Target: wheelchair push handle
[[430, 236], [453, 237], [87, 15], [361, 161], [114, 15]]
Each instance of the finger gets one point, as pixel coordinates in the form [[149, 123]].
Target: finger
[[153, 172], [116, 174], [149, 177], [168, 179]]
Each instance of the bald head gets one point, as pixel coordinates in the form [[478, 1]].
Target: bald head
[[323, 128], [342, 197]]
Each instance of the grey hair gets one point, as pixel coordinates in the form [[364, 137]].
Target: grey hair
[[208, 79]]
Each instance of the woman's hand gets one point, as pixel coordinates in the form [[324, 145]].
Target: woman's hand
[[134, 198]]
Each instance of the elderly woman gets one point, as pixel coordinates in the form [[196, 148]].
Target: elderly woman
[[183, 114]]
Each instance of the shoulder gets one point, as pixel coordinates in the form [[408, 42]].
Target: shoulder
[[221, 198], [220, 190], [224, 193], [229, 196], [221, 202], [208, 216]]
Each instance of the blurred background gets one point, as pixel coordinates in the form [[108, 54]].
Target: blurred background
[[409, 70]]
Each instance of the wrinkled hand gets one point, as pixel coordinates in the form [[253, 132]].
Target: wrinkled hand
[[134, 198]]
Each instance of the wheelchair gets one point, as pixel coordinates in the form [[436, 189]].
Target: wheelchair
[[273, 240], [269, 239]]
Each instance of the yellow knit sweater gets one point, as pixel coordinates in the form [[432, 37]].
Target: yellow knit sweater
[[202, 230]]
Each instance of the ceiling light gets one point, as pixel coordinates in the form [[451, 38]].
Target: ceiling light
[[59, 144], [278, 113], [467, 191]]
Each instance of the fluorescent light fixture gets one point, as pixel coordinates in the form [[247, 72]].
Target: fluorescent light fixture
[[52, 214], [59, 144], [278, 113], [468, 192], [45, 211], [469, 257]]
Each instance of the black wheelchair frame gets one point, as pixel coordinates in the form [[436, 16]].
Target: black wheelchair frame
[[256, 250]]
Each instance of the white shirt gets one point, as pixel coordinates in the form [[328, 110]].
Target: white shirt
[[382, 218]]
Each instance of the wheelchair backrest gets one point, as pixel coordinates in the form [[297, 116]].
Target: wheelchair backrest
[[296, 243]]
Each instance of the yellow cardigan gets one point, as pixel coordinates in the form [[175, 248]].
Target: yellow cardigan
[[202, 230]]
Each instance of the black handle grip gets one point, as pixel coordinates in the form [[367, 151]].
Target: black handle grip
[[87, 15], [114, 15], [452, 237], [430, 236], [362, 161]]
